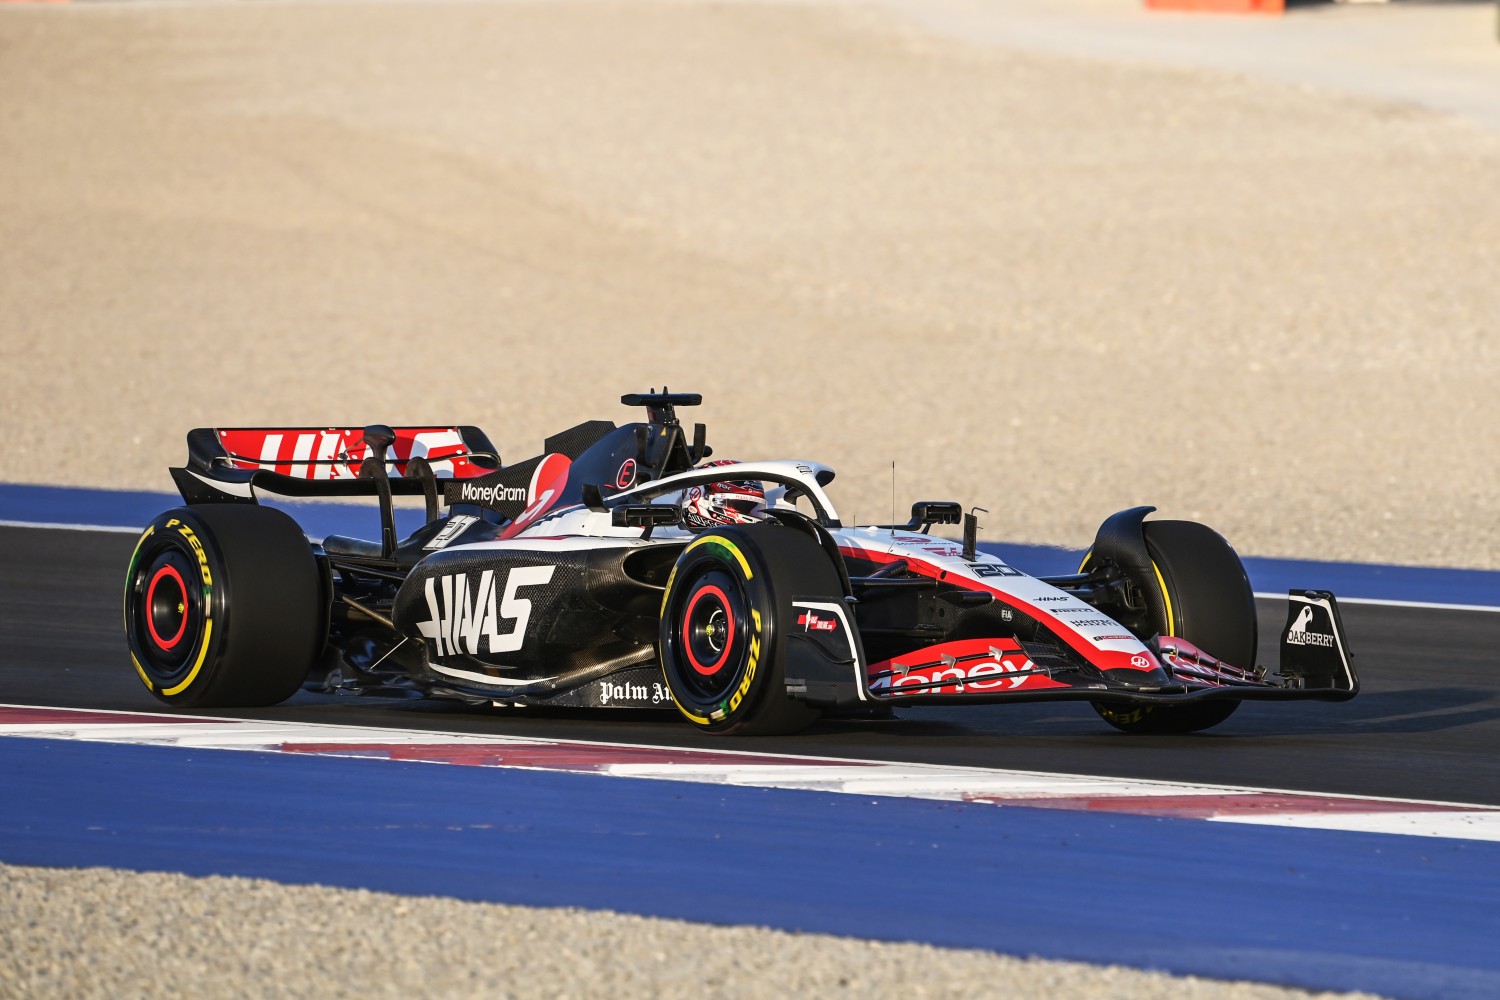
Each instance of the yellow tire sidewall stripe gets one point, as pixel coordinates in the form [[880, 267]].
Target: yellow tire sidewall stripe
[[1166, 597], [666, 597], [727, 546], [204, 643], [1160, 582], [130, 576], [208, 632]]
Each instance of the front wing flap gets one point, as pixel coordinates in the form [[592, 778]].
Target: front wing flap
[[1314, 664]]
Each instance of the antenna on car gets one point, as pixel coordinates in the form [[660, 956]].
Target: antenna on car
[[971, 533], [893, 498]]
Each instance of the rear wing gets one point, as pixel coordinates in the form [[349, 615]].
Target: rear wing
[[227, 464]]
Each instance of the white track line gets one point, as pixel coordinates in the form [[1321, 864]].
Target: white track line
[[1384, 602], [119, 529], [969, 785]]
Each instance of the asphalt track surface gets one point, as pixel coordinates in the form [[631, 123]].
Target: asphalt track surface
[[1424, 725]]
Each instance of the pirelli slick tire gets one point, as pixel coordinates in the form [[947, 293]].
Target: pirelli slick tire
[[1208, 602], [223, 606], [723, 627]]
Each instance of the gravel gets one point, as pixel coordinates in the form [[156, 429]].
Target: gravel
[[169, 935], [1049, 285]]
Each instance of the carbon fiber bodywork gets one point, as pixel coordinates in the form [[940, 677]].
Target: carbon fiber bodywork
[[506, 618]]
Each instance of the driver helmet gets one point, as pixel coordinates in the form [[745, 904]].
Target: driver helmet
[[729, 501]]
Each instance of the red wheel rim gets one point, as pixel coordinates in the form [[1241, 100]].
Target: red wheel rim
[[166, 569], [722, 599]]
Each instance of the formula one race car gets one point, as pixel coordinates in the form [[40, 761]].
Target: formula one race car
[[617, 570]]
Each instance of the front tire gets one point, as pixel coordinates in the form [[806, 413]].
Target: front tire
[[1207, 601], [724, 615], [223, 607]]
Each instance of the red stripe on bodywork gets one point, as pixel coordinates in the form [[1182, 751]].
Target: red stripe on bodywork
[[548, 483], [1064, 630], [976, 669]]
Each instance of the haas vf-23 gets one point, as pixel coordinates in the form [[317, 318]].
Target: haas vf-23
[[618, 568]]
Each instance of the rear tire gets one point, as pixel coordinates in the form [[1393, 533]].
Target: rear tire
[[1210, 604], [724, 615], [223, 607]]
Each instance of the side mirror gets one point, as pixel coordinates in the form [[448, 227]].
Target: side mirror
[[925, 512], [593, 497], [645, 515]]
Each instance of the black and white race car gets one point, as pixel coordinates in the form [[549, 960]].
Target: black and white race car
[[617, 569]]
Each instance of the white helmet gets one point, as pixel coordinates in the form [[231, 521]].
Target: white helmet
[[729, 501]]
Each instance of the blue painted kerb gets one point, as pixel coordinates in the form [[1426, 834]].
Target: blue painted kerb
[[1402, 916]]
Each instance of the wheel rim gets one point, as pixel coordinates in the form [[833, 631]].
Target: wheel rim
[[168, 613], [166, 607], [710, 632]]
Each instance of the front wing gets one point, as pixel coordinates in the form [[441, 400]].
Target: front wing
[[824, 667]]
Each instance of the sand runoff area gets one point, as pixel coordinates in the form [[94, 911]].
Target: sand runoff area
[[1038, 255], [1050, 259]]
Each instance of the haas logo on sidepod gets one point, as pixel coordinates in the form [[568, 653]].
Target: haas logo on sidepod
[[469, 622]]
